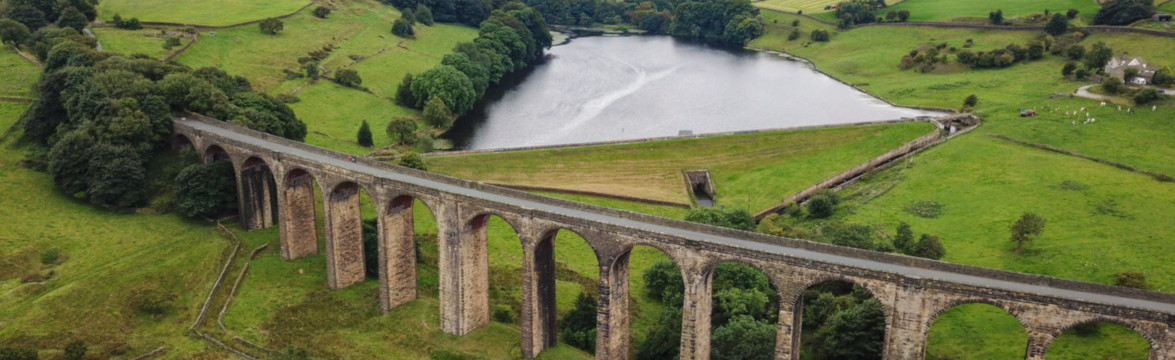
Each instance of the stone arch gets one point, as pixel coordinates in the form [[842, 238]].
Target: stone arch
[[299, 217], [214, 152], [257, 189], [615, 281], [1153, 345], [181, 141], [983, 345], [795, 300], [542, 310], [397, 249], [771, 313]]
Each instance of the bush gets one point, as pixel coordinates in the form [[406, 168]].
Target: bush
[[929, 247], [271, 26], [18, 354], [664, 282], [735, 219], [1057, 25], [1072, 13], [578, 327], [996, 17], [423, 14], [819, 35], [1146, 96], [1124, 12], [904, 240], [364, 135], [743, 338], [1081, 73], [72, 18], [171, 42], [971, 101], [206, 190], [321, 12], [821, 207], [851, 235], [664, 340], [1068, 68], [13, 33], [402, 28], [75, 350], [1112, 85], [412, 160], [348, 77], [794, 34], [50, 256], [404, 96], [1131, 279], [504, 314]]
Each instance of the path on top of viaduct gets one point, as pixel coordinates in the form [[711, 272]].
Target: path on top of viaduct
[[275, 182]]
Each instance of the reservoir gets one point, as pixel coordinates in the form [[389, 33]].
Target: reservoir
[[606, 88]]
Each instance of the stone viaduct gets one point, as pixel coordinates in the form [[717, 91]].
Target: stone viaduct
[[276, 180]]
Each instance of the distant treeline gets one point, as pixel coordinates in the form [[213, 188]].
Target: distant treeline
[[733, 22]]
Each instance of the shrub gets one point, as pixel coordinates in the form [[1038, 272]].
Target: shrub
[[851, 235], [75, 350], [321, 12], [12, 32], [207, 190], [1081, 73], [423, 14], [929, 247], [348, 77], [971, 101], [664, 282], [18, 354], [364, 135], [1146, 96], [1112, 85], [412, 160], [402, 28], [904, 240], [819, 35], [504, 314], [735, 219], [996, 17], [1072, 13], [794, 34], [312, 70], [1068, 68], [271, 26], [1131, 279], [50, 256], [1057, 25], [404, 96], [402, 130], [72, 18], [578, 327], [171, 42], [743, 338]]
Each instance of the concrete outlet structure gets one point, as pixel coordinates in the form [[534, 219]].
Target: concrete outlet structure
[[276, 182]]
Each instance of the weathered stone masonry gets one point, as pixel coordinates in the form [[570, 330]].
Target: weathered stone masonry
[[277, 176]]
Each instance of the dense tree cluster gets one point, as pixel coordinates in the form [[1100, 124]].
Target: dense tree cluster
[[733, 22], [1124, 12], [853, 12], [468, 12], [102, 116], [36, 14], [513, 37]]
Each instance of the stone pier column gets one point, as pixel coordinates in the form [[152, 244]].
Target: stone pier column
[[695, 312], [344, 237], [464, 271], [1038, 343], [538, 296], [299, 225], [256, 194], [787, 334], [397, 252], [905, 333], [612, 318]]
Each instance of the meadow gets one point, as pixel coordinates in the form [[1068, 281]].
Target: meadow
[[198, 12], [19, 74], [751, 172], [971, 11], [146, 41]]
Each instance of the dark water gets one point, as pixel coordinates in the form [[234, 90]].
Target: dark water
[[615, 88]]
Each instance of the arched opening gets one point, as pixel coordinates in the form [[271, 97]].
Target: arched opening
[[214, 153], [975, 331], [180, 142], [344, 240], [565, 276], [744, 313], [300, 233], [657, 292], [401, 252], [258, 195], [1099, 340], [838, 319], [480, 284]]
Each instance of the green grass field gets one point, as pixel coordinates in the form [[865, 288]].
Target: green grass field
[[750, 172], [807, 6], [953, 10], [127, 42], [19, 74], [198, 12]]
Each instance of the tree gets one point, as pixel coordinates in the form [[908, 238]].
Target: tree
[[413, 160], [1112, 85], [733, 302], [75, 350], [1097, 56], [423, 15], [364, 136], [271, 26], [117, 177], [735, 219], [1072, 14], [312, 70], [970, 101], [446, 83], [12, 32], [664, 283], [929, 247], [348, 77], [903, 15], [69, 160], [1026, 229], [402, 130], [904, 240], [578, 327], [1146, 96], [858, 333], [1057, 25], [996, 17], [1124, 12], [206, 190], [1068, 68], [129, 24], [1164, 77], [321, 12], [404, 95], [821, 206], [664, 340], [819, 35], [436, 113], [743, 338], [402, 28], [1075, 52], [72, 18]]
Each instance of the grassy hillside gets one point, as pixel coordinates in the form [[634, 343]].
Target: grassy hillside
[[19, 74], [198, 12], [953, 10], [127, 42], [750, 171]]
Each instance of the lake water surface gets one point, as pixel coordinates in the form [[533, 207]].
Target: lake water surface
[[617, 88]]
